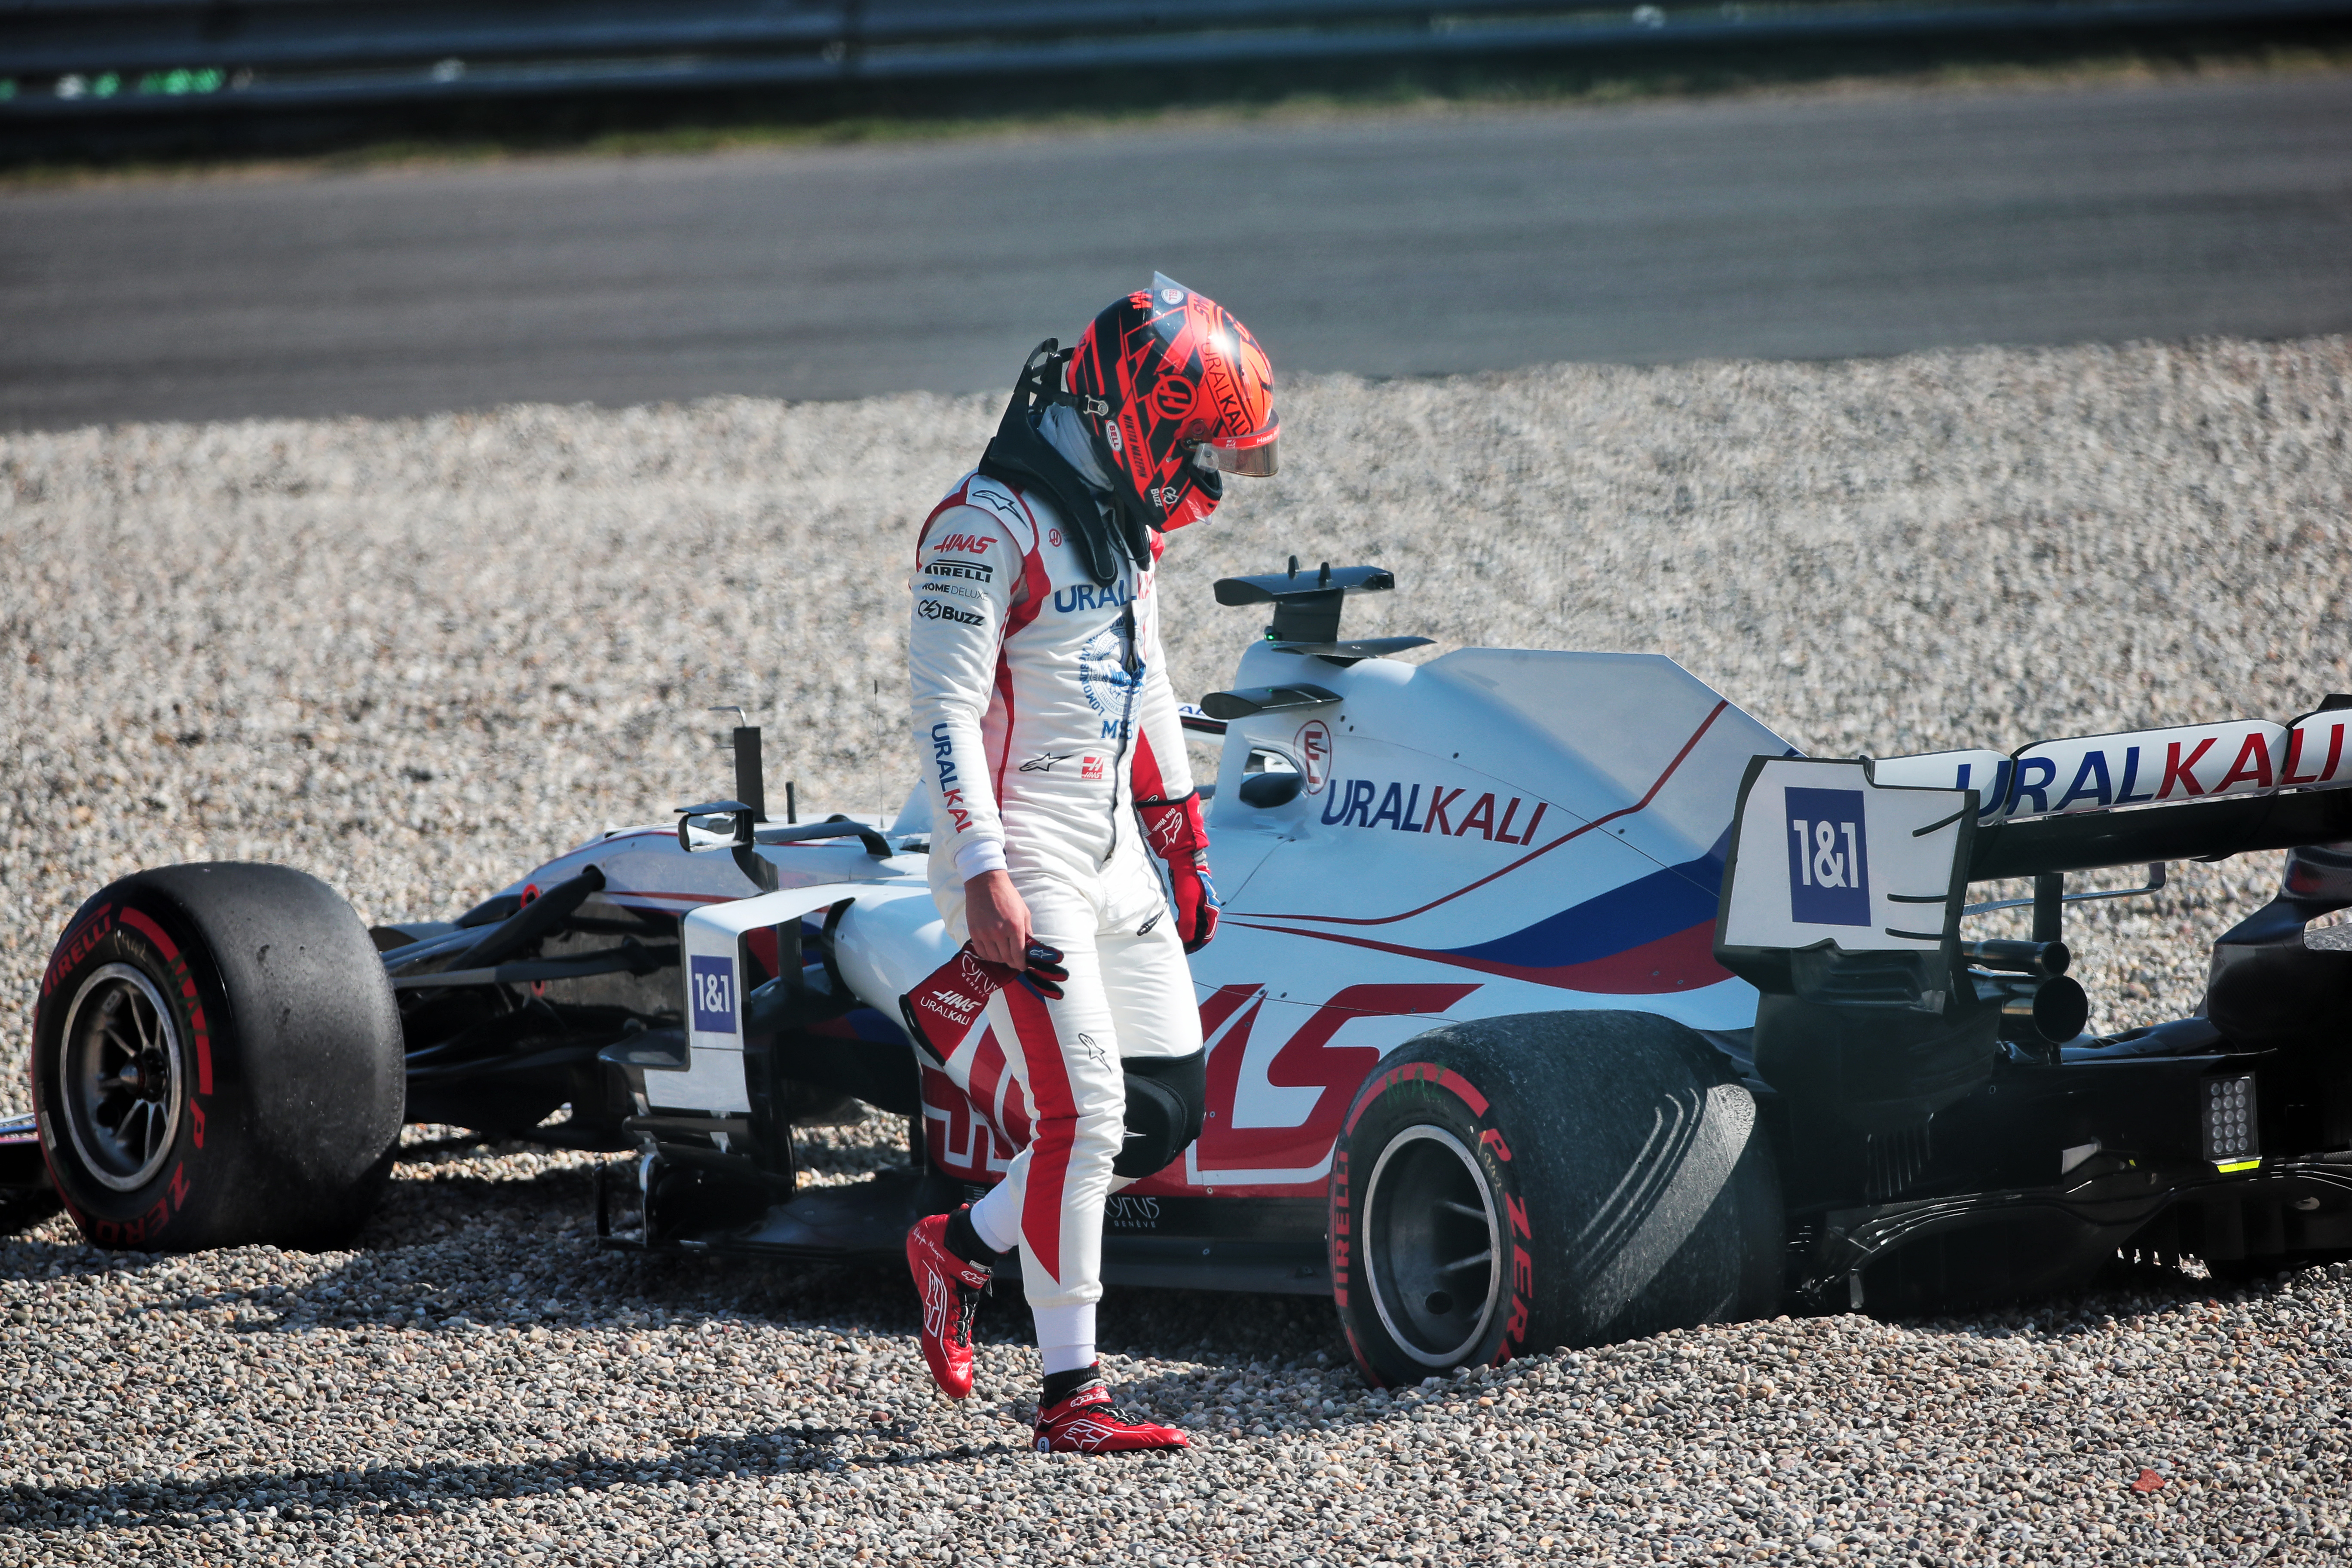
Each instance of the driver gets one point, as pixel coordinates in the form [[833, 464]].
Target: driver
[[1050, 745]]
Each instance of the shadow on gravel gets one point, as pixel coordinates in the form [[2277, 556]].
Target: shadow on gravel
[[482, 1231], [2122, 1291], [22, 1211], [391, 1490]]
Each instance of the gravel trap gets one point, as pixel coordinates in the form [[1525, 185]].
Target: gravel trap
[[415, 658]]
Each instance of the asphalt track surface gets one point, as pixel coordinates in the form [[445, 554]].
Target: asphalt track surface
[[1864, 224]]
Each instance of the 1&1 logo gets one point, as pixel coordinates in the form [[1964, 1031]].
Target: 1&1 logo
[[1829, 875], [710, 983]]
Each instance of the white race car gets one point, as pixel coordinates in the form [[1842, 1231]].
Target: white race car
[[1556, 1000]]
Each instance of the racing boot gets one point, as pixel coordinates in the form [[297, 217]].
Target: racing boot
[[1084, 1421], [950, 1283]]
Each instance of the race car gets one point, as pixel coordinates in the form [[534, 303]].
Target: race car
[[1556, 1000]]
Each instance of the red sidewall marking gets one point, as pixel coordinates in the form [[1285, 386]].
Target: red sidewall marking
[[153, 933], [203, 1038], [1425, 1072], [148, 1228], [76, 945], [1490, 1137]]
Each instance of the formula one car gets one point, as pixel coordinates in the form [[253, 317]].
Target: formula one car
[[1556, 1000]]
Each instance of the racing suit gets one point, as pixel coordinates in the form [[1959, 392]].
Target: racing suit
[[1043, 712]]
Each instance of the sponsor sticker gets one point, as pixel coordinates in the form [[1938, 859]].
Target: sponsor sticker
[[1829, 876], [1408, 808], [1121, 1212], [970, 571], [711, 985], [1090, 767], [950, 781], [2137, 767], [932, 610], [1087, 596], [1314, 745], [964, 545]]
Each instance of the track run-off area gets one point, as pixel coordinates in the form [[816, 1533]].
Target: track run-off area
[[1871, 221]]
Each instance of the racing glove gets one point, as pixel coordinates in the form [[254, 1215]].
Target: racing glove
[[1175, 831], [942, 1008]]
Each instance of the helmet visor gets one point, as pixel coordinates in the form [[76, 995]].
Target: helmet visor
[[1252, 455]]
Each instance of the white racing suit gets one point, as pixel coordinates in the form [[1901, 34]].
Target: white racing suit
[[1043, 712]]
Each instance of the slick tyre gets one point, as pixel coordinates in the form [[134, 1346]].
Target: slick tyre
[[216, 1062], [1521, 1184]]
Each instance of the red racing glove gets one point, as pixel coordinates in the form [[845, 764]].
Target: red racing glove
[[1174, 830]]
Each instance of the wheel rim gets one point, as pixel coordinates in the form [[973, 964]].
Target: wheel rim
[[121, 1078], [1433, 1245]]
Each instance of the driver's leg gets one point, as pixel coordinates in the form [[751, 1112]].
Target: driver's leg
[[1064, 1058]]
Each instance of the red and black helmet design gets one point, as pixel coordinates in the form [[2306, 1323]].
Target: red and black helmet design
[[1189, 395]]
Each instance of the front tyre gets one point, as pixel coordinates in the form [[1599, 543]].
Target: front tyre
[[216, 1061], [1550, 1179]]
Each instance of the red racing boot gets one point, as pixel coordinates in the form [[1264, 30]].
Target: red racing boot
[[1088, 1422], [949, 1286]]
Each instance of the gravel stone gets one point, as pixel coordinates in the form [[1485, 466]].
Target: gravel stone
[[414, 657]]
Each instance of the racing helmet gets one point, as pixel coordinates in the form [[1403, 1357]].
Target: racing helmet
[[1176, 394]]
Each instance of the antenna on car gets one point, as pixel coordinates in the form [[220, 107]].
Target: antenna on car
[[750, 778]]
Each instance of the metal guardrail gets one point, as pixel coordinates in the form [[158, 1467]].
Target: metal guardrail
[[61, 59]]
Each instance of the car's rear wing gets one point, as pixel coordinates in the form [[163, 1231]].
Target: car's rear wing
[[1846, 879], [2196, 792]]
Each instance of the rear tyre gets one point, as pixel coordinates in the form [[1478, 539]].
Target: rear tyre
[[1550, 1179], [216, 1062]]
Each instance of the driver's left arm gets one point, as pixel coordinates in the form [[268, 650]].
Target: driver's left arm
[[1164, 795]]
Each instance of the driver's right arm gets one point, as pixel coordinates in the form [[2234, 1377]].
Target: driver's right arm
[[968, 581]]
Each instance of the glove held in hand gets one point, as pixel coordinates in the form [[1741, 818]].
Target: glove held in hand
[[942, 1009]]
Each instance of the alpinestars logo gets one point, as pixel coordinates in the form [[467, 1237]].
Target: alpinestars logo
[[932, 610], [1086, 1436], [939, 1304]]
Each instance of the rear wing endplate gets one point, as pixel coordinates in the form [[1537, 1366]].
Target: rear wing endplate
[[1825, 863]]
